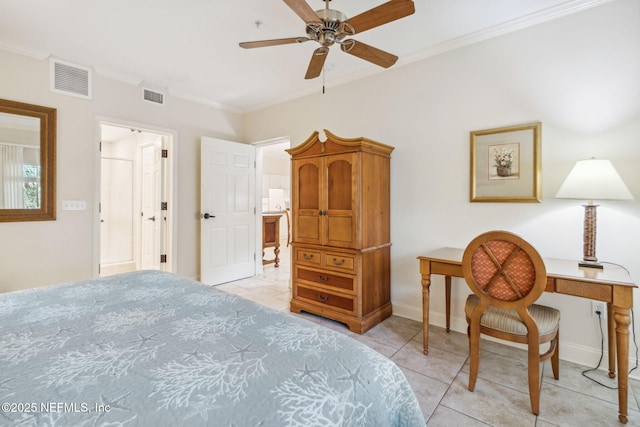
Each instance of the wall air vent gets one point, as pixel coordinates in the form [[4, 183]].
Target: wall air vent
[[71, 79], [153, 96]]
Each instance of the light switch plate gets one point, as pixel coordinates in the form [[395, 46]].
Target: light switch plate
[[74, 205]]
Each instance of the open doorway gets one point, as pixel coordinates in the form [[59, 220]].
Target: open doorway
[[274, 193], [135, 189]]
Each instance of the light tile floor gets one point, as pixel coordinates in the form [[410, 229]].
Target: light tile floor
[[440, 379]]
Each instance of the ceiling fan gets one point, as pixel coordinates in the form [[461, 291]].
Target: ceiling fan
[[328, 27]]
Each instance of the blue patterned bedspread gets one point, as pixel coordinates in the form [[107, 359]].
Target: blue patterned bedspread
[[153, 349]]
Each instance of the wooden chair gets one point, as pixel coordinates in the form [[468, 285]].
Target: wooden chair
[[507, 275]]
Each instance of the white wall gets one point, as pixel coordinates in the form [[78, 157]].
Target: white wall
[[578, 75], [39, 253]]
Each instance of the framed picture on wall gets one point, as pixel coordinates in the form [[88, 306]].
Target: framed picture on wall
[[505, 164]]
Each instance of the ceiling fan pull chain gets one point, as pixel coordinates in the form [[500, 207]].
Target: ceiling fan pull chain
[[329, 26], [323, 80]]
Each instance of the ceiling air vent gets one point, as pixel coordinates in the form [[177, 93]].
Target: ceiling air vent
[[70, 79], [153, 96]]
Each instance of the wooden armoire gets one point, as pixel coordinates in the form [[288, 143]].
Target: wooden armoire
[[341, 242]]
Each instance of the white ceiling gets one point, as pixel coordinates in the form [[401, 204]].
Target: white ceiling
[[190, 48]]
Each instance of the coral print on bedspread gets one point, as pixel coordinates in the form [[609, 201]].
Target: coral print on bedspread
[[151, 348]]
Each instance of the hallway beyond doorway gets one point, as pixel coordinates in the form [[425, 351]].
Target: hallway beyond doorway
[[135, 188]]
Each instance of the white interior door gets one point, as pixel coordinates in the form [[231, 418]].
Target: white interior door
[[228, 212], [151, 217]]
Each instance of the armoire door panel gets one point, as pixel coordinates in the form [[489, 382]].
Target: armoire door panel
[[308, 188], [340, 231], [308, 228], [307, 200], [339, 185]]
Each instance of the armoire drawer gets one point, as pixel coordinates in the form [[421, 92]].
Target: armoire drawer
[[308, 256], [324, 298], [339, 282], [341, 261]]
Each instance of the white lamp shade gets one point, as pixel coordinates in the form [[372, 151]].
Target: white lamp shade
[[594, 179]]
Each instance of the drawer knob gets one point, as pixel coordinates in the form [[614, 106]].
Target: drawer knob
[[336, 262], [307, 257], [323, 278], [323, 298]]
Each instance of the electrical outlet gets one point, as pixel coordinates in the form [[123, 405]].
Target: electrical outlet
[[597, 307]]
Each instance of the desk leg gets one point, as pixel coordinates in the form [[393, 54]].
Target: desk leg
[[426, 283], [611, 326], [623, 320], [447, 290]]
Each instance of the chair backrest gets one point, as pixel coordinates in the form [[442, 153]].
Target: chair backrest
[[504, 270]]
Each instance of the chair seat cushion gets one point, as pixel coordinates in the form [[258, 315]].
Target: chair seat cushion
[[547, 318]]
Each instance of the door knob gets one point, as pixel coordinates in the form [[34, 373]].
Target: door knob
[[207, 216]]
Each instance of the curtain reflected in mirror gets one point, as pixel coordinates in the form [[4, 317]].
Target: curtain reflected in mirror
[[19, 162], [27, 162]]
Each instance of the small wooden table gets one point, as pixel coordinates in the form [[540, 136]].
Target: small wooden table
[[271, 237], [612, 285]]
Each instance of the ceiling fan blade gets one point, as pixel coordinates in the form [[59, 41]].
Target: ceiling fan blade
[[386, 12], [303, 10], [369, 53], [317, 62], [274, 42]]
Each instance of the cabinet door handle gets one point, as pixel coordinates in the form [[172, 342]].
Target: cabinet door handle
[[307, 257], [336, 262], [322, 213], [323, 278], [322, 298]]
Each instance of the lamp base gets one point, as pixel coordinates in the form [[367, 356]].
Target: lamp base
[[590, 265]]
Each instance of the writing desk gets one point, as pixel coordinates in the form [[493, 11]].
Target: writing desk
[[271, 237], [612, 285]]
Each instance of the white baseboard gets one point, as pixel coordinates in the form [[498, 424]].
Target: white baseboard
[[570, 352]]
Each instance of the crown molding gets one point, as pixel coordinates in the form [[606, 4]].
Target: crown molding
[[204, 101], [507, 27], [32, 53], [120, 77], [569, 8]]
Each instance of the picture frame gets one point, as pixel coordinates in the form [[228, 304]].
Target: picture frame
[[506, 164]]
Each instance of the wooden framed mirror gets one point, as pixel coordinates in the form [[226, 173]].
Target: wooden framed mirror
[[27, 162]]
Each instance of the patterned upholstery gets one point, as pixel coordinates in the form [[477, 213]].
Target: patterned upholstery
[[519, 269], [546, 318], [507, 276]]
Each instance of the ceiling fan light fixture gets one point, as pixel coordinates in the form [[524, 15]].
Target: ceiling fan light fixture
[[327, 38], [329, 27], [331, 18]]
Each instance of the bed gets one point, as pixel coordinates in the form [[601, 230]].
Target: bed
[[152, 348]]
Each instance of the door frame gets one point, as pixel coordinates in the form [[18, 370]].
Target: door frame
[[259, 171], [171, 137]]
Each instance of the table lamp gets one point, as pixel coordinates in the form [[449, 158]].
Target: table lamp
[[592, 179]]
